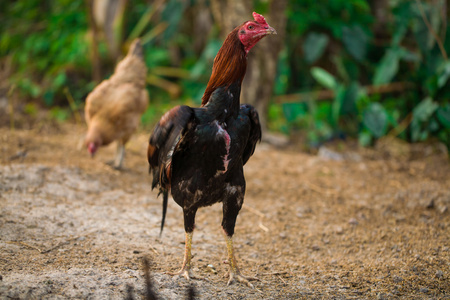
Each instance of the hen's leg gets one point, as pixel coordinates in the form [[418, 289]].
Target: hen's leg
[[230, 212], [189, 221], [119, 155]]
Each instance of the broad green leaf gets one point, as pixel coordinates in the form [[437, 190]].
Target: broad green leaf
[[423, 111], [349, 102], [324, 78], [292, 111], [387, 68], [407, 55], [172, 14], [203, 65], [364, 138], [445, 74], [314, 46], [399, 34], [59, 114], [337, 105], [355, 40], [59, 80], [443, 115], [48, 97], [421, 114], [375, 119]]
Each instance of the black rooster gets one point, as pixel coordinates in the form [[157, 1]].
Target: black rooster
[[199, 153]]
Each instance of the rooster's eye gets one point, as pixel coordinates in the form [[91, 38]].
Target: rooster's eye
[[250, 27]]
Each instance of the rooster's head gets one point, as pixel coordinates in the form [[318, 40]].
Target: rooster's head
[[252, 31]]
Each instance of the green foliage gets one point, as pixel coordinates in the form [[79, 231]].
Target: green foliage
[[387, 68], [59, 114], [375, 119], [443, 115], [421, 125], [329, 45], [324, 78], [45, 41], [283, 70], [355, 41], [314, 46], [346, 55]]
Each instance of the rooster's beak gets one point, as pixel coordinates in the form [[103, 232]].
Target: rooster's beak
[[271, 30]]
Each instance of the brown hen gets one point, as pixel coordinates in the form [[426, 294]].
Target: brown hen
[[114, 108]]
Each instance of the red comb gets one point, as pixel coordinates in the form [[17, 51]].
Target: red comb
[[259, 18]]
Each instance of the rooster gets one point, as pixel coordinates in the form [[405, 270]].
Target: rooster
[[198, 153], [114, 108]]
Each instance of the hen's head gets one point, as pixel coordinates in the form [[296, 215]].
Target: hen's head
[[92, 148], [252, 31], [92, 142]]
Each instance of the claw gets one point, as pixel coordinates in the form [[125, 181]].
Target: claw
[[186, 273], [242, 279]]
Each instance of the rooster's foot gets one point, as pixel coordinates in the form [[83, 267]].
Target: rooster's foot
[[241, 278], [113, 165], [186, 273]]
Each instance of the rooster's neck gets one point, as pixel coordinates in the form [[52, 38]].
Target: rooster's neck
[[229, 66]]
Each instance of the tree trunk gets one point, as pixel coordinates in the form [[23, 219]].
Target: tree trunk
[[257, 87], [95, 58], [108, 17]]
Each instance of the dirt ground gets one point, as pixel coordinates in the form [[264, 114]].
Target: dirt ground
[[355, 224]]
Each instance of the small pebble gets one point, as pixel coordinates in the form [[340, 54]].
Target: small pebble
[[136, 251], [353, 221], [423, 290], [397, 279], [212, 269], [439, 274]]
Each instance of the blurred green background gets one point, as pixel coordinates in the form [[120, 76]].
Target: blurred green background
[[339, 69]]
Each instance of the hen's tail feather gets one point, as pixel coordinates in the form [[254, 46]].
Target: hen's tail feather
[[165, 200]]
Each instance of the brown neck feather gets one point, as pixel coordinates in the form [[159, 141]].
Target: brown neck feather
[[229, 65]]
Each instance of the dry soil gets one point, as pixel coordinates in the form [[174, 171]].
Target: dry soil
[[361, 224]]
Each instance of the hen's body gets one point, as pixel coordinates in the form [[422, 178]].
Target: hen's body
[[199, 153], [114, 108]]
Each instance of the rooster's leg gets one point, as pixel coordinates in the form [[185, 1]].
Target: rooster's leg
[[119, 155], [186, 271], [235, 273], [230, 212]]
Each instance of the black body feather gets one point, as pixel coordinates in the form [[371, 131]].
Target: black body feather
[[199, 153]]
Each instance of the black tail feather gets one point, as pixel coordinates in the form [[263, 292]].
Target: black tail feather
[[165, 200]]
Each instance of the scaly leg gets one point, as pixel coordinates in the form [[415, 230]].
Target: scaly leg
[[186, 266], [120, 153], [231, 208], [235, 274]]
